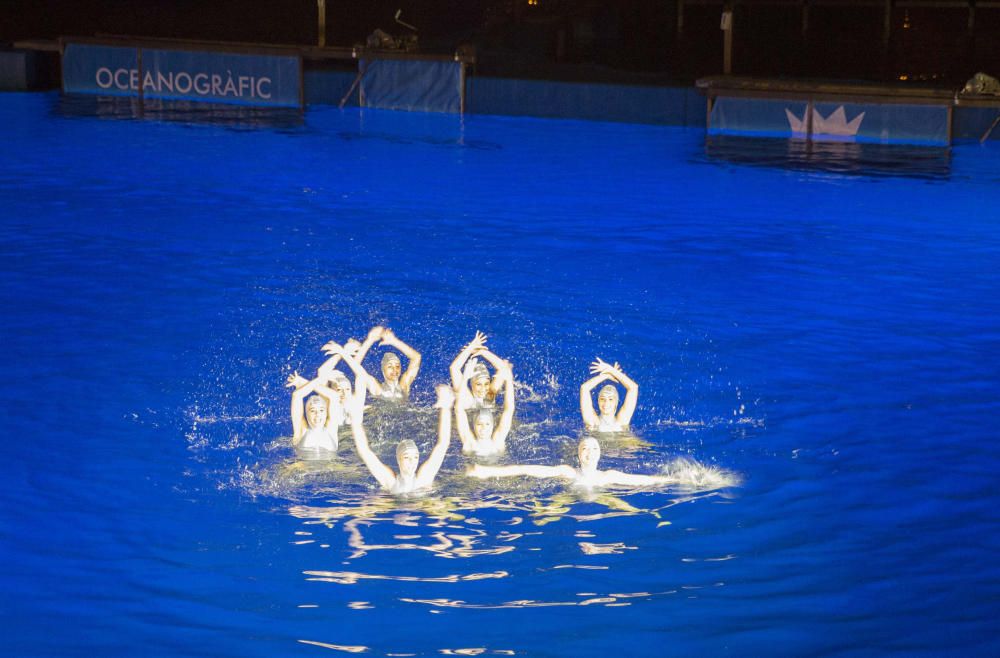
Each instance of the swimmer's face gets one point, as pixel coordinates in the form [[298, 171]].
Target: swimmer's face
[[316, 414], [484, 427], [343, 390], [607, 402], [480, 385], [408, 462], [391, 371], [590, 454]]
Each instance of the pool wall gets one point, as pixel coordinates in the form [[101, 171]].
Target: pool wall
[[327, 83], [18, 70], [676, 106]]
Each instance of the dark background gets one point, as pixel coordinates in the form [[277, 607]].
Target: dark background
[[628, 40]]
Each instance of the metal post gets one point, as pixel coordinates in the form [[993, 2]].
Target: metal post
[[362, 69], [809, 119], [461, 87], [321, 6], [727, 42], [804, 45], [886, 34], [138, 65]]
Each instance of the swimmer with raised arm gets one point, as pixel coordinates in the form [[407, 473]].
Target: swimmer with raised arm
[[314, 430], [611, 418], [395, 384], [488, 436], [587, 475], [473, 384], [337, 381], [409, 478]]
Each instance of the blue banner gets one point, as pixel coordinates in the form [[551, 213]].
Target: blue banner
[[762, 117], [831, 121], [216, 77], [416, 85]]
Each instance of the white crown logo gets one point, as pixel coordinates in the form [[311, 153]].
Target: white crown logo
[[835, 125]]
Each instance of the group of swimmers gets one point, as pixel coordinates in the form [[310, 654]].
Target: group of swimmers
[[324, 404]]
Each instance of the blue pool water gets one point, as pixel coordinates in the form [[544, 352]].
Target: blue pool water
[[825, 323]]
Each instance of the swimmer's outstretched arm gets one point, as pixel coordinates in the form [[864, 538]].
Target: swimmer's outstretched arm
[[374, 334], [350, 347], [636, 480], [382, 473], [457, 381], [507, 416], [465, 399], [590, 418], [356, 403], [429, 469], [530, 470], [406, 381], [298, 411], [465, 434], [361, 377]]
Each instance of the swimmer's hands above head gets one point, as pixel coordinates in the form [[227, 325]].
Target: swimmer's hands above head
[[445, 397], [503, 366], [295, 380], [350, 348], [333, 347], [388, 338], [602, 367], [477, 343]]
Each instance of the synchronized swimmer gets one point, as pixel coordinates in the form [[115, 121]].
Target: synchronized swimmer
[[321, 406], [476, 393]]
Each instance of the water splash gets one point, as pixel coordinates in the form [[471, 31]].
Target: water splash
[[690, 475]]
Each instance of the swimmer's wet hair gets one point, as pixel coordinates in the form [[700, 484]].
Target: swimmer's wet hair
[[389, 357], [316, 401]]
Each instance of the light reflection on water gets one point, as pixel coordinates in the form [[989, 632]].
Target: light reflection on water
[[480, 527]]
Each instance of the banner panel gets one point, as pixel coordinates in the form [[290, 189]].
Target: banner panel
[[888, 123], [90, 69], [216, 77], [764, 117], [418, 85], [885, 123]]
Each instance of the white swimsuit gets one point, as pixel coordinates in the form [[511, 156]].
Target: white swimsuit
[[403, 485], [482, 403], [392, 391], [486, 448], [319, 441], [606, 425]]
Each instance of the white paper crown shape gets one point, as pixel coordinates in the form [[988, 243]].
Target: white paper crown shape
[[836, 124]]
